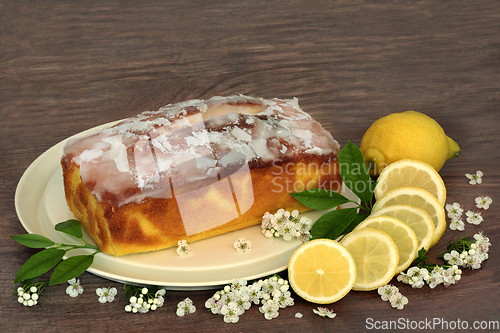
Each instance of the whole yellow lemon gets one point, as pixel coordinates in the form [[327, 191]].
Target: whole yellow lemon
[[408, 134]]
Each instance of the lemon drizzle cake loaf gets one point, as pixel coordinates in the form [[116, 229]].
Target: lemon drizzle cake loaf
[[194, 170]]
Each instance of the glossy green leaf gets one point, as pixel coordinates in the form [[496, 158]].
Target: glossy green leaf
[[33, 240], [354, 173], [129, 290], [354, 223], [320, 199], [71, 268], [333, 224], [70, 227], [39, 263]]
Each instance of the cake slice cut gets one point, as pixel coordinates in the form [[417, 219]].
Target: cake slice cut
[[194, 170]]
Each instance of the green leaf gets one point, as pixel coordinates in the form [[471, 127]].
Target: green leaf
[[39, 263], [357, 220], [354, 173], [333, 224], [463, 244], [129, 290], [152, 289], [71, 268], [421, 257], [33, 240], [70, 227], [320, 199]]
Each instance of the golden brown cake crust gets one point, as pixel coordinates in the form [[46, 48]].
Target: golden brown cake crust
[[156, 223]]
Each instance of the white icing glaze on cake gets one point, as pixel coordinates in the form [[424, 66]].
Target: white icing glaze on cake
[[193, 143]]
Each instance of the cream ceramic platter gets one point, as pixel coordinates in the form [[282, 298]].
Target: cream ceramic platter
[[40, 205]]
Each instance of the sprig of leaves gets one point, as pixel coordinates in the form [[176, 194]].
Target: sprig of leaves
[[53, 254], [421, 258], [461, 245], [355, 176], [137, 291]]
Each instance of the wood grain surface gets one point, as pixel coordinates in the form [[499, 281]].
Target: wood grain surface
[[68, 66]]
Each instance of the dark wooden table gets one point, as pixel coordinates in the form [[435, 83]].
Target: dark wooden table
[[67, 66]]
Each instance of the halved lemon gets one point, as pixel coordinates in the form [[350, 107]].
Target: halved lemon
[[419, 198], [401, 234], [411, 173], [376, 256], [321, 271], [417, 218]]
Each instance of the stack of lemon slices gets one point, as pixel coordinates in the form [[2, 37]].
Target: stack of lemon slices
[[415, 184], [408, 215]]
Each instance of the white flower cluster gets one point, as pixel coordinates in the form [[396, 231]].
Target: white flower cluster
[[74, 289], [417, 277], [391, 293], [475, 178], [474, 218], [483, 202], [183, 248], [29, 294], [324, 312], [106, 294], [184, 307], [472, 256], [455, 213], [242, 245], [237, 297], [286, 224], [146, 301]]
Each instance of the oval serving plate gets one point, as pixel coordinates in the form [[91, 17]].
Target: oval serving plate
[[40, 205]]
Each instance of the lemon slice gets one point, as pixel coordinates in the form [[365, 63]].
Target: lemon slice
[[419, 198], [417, 218], [401, 234], [321, 271], [411, 173], [376, 256]]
